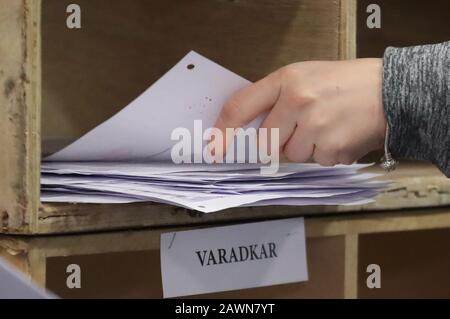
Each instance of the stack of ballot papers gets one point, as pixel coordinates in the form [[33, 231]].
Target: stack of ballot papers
[[207, 188], [128, 157]]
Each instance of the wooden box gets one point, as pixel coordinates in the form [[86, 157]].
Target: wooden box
[[57, 83]]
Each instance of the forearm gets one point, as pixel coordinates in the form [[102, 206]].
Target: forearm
[[416, 98]]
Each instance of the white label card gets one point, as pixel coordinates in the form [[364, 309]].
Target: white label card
[[233, 257]]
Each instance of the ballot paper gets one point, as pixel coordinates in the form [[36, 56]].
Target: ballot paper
[[128, 157], [194, 89]]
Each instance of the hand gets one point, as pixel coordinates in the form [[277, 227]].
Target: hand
[[329, 112]]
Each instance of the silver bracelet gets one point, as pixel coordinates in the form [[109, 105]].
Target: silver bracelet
[[387, 162]]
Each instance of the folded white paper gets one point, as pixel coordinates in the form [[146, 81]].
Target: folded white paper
[[194, 89]]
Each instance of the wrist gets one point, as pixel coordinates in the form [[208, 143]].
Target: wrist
[[380, 115]]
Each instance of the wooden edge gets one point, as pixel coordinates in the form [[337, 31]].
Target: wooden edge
[[420, 219], [16, 252], [19, 121], [315, 227], [351, 267], [24, 257], [347, 39], [33, 113], [37, 259]]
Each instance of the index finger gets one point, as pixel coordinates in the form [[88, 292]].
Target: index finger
[[247, 104]]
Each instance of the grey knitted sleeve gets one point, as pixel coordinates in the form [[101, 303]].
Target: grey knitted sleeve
[[416, 97]]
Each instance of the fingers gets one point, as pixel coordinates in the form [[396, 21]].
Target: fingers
[[325, 157], [247, 104], [347, 158], [300, 146], [282, 118]]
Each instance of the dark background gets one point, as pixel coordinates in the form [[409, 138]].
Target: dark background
[[403, 23]]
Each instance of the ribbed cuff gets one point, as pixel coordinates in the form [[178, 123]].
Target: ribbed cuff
[[416, 102]]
